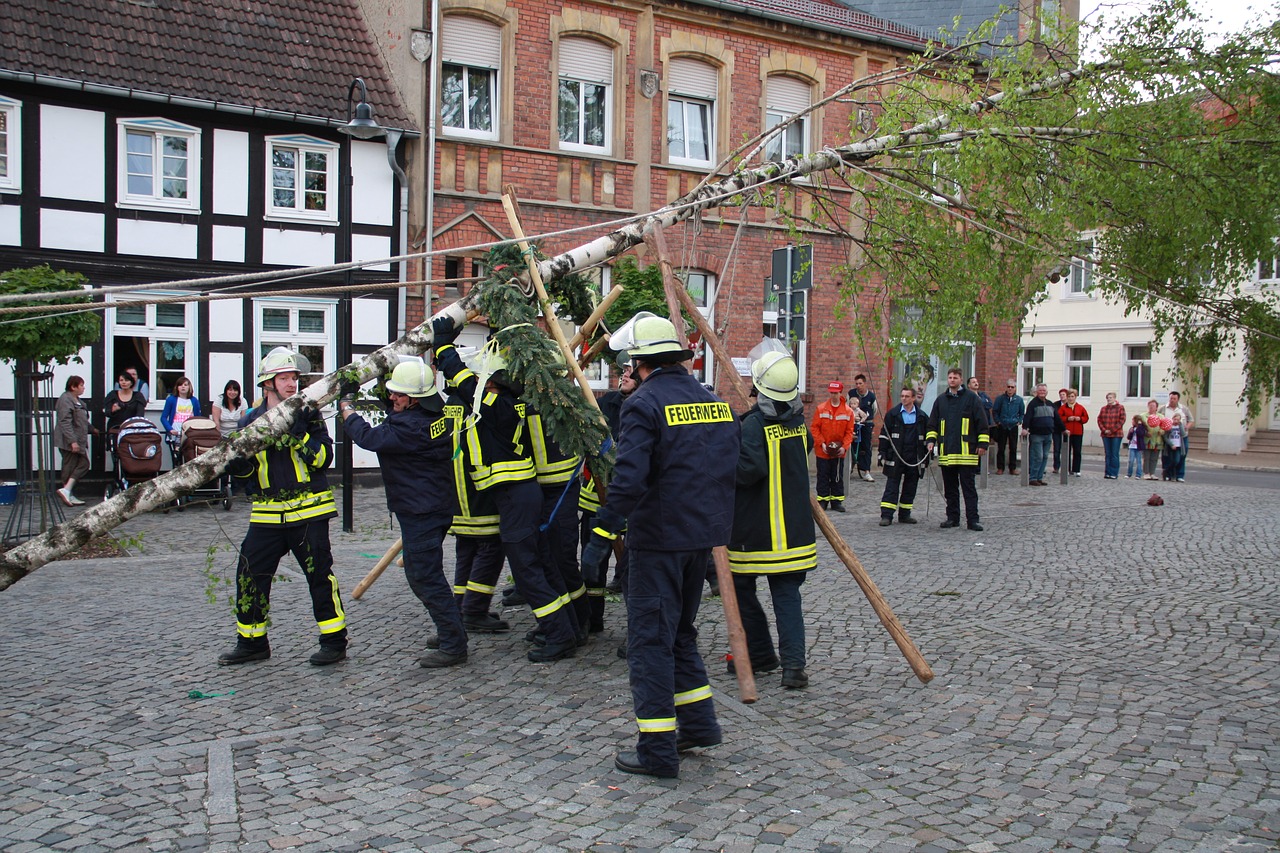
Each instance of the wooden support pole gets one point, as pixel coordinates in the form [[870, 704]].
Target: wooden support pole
[[590, 354], [842, 549], [378, 569], [596, 316], [657, 241]]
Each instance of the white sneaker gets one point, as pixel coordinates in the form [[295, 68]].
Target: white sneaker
[[65, 494], [866, 475]]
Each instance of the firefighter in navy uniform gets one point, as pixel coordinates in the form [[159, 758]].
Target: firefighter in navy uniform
[[773, 532], [292, 505], [589, 503], [903, 452], [478, 553], [673, 490], [500, 460], [959, 424], [413, 446], [557, 475]]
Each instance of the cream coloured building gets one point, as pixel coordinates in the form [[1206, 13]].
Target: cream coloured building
[[1075, 338]]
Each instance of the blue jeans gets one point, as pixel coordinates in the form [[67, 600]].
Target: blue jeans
[[423, 536], [1038, 448], [784, 588], [1135, 462], [1111, 454]]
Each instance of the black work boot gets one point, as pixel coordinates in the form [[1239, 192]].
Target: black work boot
[[485, 623], [244, 653], [886, 520], [838, 506], [905, 518], [326, 655], [794, 679]]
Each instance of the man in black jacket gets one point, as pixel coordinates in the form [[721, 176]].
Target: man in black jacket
[[414, 446], [902, 447], [959, 424], [672, 489]]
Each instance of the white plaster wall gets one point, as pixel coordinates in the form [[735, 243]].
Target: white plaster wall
[[10, 225], [230, 172], [365, 246], [297, 248], [224, 366], [369, 323], [166, 239], [228, 243], [372, 184], [73, 230], [72, 154], [225, 322]]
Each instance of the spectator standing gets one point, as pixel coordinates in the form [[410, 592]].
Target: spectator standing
[[1136, 440], [231, 408], [71, 432], [1074, 416], [123, 403], [832, 429], [1175, 446], [902, 447], [1111, 423], [866, 401], [1175, 407], [1057, 436], [1154, 439], [959, 425], [1041, 423], [140, 386], [179, 407], [987, 406], [1008, 411]]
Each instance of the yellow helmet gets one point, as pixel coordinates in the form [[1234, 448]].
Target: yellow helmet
[[774, 371], [282, 360], [647, 334], [414, 377]]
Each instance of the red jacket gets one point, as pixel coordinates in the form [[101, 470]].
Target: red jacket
[[832, 423], [1077, 411]]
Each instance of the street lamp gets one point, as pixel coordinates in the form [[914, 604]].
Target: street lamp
[[360, 125]]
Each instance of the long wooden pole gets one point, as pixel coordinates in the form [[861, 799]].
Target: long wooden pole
[[596, 315], [842, 549], [378, 569]]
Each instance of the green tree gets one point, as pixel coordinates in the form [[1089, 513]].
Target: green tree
[[55, 338]]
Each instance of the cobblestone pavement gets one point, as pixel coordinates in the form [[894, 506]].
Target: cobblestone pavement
[[1106, 680]]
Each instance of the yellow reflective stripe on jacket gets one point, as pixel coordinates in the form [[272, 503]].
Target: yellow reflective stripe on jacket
[[777, 518], [588, 497], [796, 559], [474, 525], [294, 510], [697, 694], [555, 473], [958, 459], [551, 607], [263, 482], [656, 724], [513, 471], [600, 531], [251, 632]]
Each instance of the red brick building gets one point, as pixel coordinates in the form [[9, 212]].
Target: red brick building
[[597, 112]]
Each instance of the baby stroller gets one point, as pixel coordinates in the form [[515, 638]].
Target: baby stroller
[[135, 444], [200, 435]]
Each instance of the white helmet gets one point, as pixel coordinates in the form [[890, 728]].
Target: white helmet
[[774, 371], [647, 334], [282, 360], [414, 377]]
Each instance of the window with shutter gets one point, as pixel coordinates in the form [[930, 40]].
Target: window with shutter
[[691, 98], [585, 95], [787, 96], [470, 58]]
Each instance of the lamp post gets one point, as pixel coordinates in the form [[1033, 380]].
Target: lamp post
[[360, 125]]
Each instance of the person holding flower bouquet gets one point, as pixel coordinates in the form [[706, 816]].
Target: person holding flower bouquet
[[1154, 440]]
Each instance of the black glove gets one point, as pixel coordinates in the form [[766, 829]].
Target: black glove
[[443, 331], [348, 389], [298, 429]]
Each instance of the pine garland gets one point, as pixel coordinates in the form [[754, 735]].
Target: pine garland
[[533, 357]]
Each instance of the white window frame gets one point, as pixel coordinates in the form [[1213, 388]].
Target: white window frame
[[778, 148], [1142, 366], [157, 129], [582, 80], [303, 145], [1031, 371], [155, 334], [12, 112], [472, 31], [694, 87], [1078, 282], [1078, 371], [1267, 270], [263, 340]]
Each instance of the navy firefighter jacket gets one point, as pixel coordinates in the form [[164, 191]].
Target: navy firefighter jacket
[[414, 449], [677, 457]]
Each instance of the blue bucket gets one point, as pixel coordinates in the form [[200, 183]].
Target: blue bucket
[[8, 493]]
